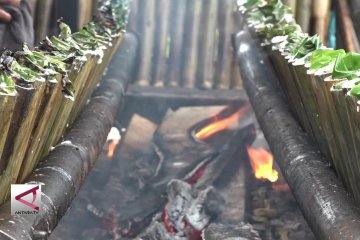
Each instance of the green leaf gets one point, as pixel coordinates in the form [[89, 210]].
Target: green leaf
[[347, 66], [355, 91], [7, 85], [324, 57], [308, 45]]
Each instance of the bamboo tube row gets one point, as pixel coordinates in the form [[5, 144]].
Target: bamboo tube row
[[322, 85], [43, 91], [186, 43]]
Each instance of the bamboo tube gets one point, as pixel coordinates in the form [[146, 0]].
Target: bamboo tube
[[41, 132], [303, 83], [330, 121], [290, 89], [352, 105], [348, 33], [147, 42], [225, 60], [191, 46], [42, 19], [85, 11], [320, 16], [207, 53], [28, 104], [7, 105], [163, 9], [133, 25], [88, 88], [78, 74], [303, 14], [238, 24], [177, 32], [236, 80], [342, 112], [292, 4], [33, 5]]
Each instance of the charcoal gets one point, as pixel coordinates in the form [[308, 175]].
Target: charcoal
[[241, 231]]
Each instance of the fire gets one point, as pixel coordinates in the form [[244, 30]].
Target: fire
[[262, 164], [219, 125], [114, 138]]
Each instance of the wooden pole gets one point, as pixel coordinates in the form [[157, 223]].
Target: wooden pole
[[193, 19], [42, 19], [225, 59], [146, 41], [163, 10], [133, 25], [85, 12], [177, 32], [320, 17], [347, 30], [303, 14], [208, 47]]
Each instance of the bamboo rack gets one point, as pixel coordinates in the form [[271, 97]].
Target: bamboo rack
[[43, 91], [186, 43], [322, 85]]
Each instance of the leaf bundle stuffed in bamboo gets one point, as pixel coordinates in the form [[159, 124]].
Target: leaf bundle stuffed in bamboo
[[43, 90], [322, 85]]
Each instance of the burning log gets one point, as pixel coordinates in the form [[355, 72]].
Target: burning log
[[64, 170]]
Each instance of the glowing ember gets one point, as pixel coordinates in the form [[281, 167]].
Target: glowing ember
[[262, 164], [114, 138], [220, 124]]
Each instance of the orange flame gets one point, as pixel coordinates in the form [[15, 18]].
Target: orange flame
[[219, 125], [262, 164], [114, 138]]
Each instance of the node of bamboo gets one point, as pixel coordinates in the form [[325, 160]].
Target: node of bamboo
[[191, 43]]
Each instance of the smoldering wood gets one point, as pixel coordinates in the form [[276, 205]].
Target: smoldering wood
[[241, 231], [299, 160], [65, 169], [178, 154]]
